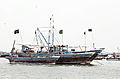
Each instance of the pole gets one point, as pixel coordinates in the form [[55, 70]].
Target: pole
[[53, 35], [93, 40], [36, 37], [62, 40], [49, 42], [52, 24], [85, 40]]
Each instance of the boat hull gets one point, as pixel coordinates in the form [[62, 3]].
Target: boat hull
[[73, 60], [77, 59], [32, 60]]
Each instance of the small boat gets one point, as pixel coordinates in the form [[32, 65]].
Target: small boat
[[113, 59]]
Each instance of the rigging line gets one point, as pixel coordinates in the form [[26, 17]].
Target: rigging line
[[57, 40], [33, 40], [36, 37], [21, 38], [80, 47], [44, 27], [40, 40], [43, 36], [58, 36], [43, 43]]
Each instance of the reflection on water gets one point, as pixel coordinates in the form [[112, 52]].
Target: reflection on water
[[97, 70]]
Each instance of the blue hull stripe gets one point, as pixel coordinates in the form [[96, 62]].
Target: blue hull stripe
[[34, 59]]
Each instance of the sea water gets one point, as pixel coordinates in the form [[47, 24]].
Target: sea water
[[99, 69]]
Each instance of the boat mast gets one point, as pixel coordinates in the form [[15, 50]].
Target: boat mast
[[52, 26], [49, 41], [36, 37]]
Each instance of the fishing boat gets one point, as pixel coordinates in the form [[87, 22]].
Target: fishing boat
[[48, 52], [57, 54], [27, 55]]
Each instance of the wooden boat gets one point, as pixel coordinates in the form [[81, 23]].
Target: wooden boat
[[56, 57], [58, 54]]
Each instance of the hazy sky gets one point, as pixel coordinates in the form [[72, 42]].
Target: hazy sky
[[73, 16]]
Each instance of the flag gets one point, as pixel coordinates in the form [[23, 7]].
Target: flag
[[90, 30], [16, 31], [61, 32], [84, 33]]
